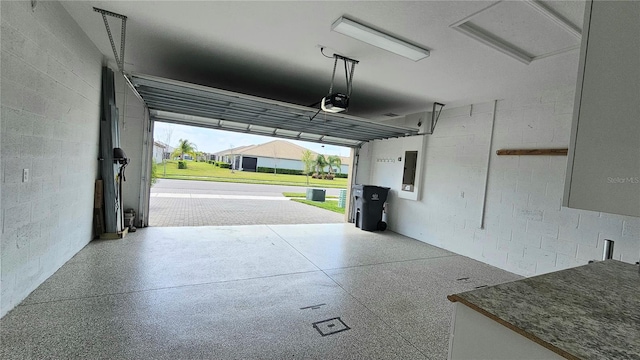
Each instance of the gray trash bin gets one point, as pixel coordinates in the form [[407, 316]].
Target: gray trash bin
[[368, 206], [316, 194]]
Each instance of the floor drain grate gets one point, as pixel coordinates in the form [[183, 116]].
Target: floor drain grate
[[330, 326]]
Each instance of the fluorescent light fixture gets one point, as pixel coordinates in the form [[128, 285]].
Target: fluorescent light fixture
[[379, 39]]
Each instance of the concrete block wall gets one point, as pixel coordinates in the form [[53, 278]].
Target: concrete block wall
[[50, 106], [388, 170], [556, 237], [526, 231]]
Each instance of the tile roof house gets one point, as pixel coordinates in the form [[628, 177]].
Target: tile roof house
[[280, 154]]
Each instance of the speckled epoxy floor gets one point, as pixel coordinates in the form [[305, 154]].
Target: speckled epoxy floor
[[246, 292]]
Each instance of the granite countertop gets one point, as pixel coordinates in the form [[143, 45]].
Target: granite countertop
[[587, 312]]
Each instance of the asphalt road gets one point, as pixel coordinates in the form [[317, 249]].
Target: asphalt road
[[226, 188]]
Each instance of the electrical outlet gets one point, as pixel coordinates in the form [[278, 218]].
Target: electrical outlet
[[25, 175]]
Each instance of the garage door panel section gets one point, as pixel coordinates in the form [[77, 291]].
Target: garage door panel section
[[181, 119], [245, 123], [179, 102]]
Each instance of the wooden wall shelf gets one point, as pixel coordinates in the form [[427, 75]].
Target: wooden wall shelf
[[558, 152]]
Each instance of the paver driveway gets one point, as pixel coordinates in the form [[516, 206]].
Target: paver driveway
[[205, 203]]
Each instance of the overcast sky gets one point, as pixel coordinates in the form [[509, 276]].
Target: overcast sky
[[211, 141]]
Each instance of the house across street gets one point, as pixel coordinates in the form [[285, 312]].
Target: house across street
[[279, 154]]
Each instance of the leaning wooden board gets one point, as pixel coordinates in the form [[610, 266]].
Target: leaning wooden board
[[98, 212]]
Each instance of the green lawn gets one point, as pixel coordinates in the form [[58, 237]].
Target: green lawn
[[207, 172], [327, 205]]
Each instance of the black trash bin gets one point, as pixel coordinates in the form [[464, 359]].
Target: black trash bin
[[369, 203]]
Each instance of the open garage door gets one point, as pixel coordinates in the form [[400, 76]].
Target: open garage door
[[184, 103], [249, 163]]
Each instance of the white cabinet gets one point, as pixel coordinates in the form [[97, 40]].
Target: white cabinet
[[475, 336], [603, 172]]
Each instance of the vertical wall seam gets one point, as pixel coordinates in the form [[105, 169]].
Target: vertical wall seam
[[486, 178]]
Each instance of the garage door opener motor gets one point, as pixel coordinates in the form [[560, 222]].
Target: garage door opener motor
[[336, 102]]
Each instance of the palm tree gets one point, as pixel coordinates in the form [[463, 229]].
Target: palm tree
[[185, 148], [334, 161], [321, 163], [307, 160], [199, 156]]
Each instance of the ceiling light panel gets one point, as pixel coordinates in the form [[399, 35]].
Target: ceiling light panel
[[525, 30], [378, 39]]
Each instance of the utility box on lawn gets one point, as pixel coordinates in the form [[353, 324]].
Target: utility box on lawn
[[342, 199], [316, 194], [368, 206]]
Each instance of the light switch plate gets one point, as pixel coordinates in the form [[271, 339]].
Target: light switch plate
[[25, 175]]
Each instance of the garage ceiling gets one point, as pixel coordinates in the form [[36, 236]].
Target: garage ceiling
[[270, 49], [184, 103]]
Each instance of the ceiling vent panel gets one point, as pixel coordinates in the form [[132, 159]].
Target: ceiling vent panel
[[524, 30]]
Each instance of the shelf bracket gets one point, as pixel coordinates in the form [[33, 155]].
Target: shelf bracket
[[435, 115]]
